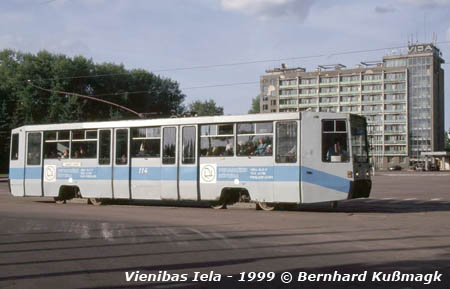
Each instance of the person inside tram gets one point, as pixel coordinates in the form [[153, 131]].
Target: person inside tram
[[335, 150], [229, 149], [82, 153], [142, 151], [123, 159], [261, 149], [250, 149], [269, 150], [65, 154], [240, 150]]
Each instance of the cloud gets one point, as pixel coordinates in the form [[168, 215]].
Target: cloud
[[427, 3], [265, 9], [383, 10], [61, 3]]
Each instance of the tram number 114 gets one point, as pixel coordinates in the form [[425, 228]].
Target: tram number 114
[[143, 171]]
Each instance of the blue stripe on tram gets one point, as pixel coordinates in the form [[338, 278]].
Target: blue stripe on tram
[[224, 174]]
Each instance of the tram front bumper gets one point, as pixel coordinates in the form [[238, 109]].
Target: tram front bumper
[[360, 189]]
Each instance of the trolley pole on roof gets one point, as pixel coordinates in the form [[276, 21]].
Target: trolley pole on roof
[[140, 115]]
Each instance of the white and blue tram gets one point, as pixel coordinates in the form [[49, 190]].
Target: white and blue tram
[[285, 158]]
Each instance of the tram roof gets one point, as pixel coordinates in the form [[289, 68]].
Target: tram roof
[[176, 121]]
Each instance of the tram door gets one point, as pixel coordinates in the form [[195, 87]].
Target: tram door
[[287, 169], [33, 164], [16, 164], [311, 163], [146, 163], [169, 165], [188, 171], [121, 168], [104, 181]]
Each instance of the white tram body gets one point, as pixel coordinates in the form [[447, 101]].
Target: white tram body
[[296, 158]]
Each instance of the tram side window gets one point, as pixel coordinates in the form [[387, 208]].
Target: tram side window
[[34, 149], [286, 142], [255, 139], [104, 153], [56, 144], [169, 145], [189, 137], [15, 147], [217, 140], [84, 144], [146, 142], [121, 147], [334, 141]]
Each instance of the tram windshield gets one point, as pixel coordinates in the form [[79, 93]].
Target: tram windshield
[[359, 140]]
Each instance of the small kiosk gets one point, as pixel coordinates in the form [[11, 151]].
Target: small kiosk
[[437, 160]]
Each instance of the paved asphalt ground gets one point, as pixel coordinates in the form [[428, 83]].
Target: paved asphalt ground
[[404, 226]]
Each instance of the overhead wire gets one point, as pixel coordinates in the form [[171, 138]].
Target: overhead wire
[[201, 67], [188, 68], [236, 63], [96, 97]]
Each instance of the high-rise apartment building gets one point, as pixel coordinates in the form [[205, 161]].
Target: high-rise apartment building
[[401, 96]]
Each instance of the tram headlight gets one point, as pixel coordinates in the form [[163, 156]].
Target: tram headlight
[[367, 174], [357, 174]]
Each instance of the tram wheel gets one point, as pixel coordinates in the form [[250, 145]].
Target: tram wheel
[[95, 201], [218, 205], [59, 200], [265, 206]]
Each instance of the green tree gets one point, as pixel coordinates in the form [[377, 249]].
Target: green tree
[[205, 108], [255, 105], [21, 103], [4, 135]]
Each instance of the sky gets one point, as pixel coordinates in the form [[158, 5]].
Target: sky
[[218, 49]]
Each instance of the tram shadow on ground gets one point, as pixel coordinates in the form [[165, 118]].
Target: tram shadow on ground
[[345, 206], [124, 202], [377, 206], [163, 203]]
